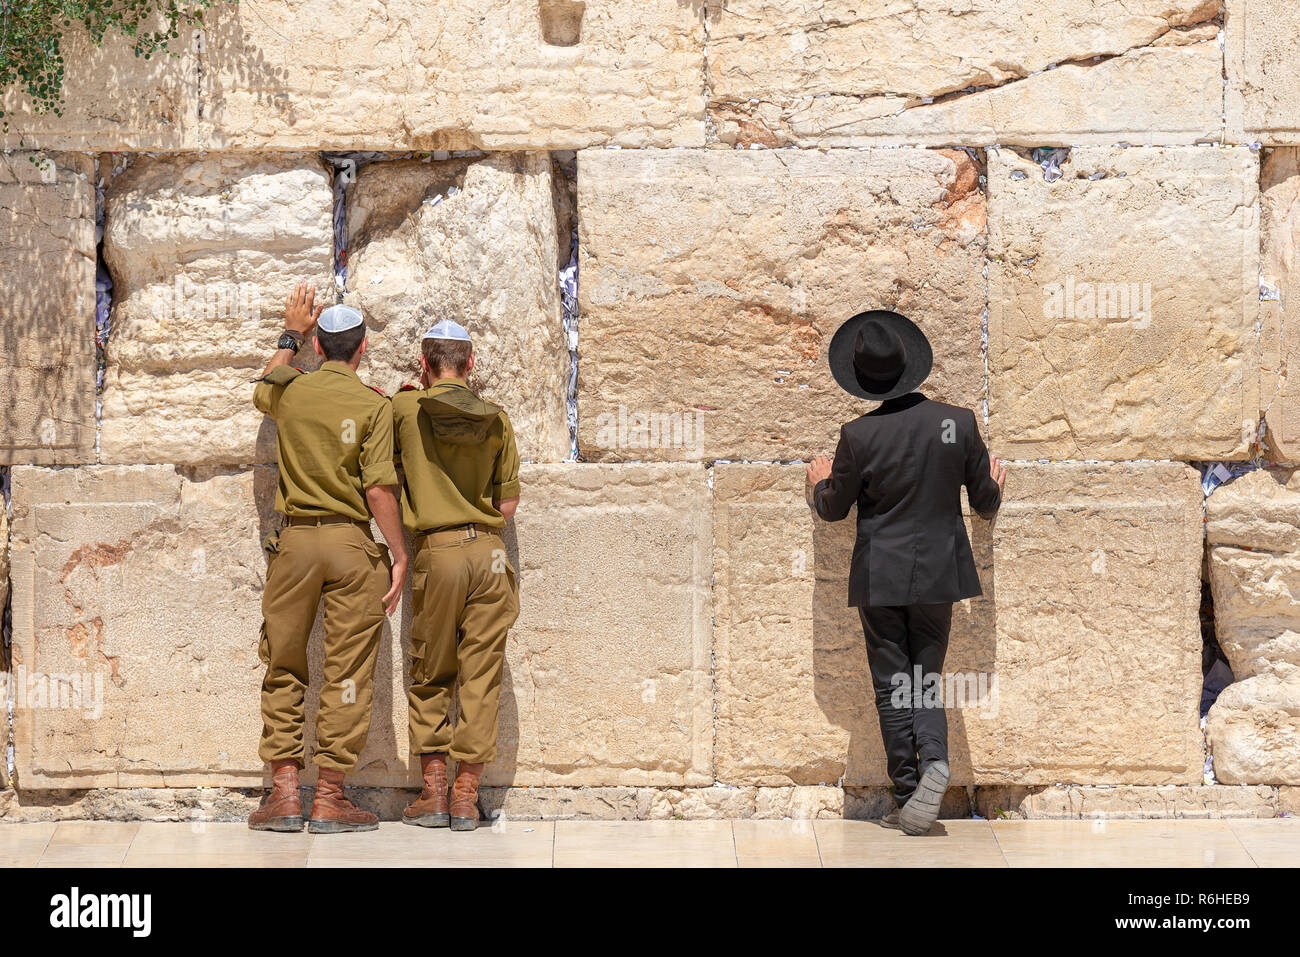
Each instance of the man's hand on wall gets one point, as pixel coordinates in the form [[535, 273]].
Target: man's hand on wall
[[818, 469], [301, 311], [998, 471]]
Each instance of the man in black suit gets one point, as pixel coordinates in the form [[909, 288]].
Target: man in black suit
[[903, 465]]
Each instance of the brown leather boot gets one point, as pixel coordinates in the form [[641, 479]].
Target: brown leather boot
[[464, 797], [281, 809], [430, 808], [332, 812]]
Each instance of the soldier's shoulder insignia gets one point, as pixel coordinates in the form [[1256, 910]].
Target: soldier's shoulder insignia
[[409, 388], [282, 375], [378, 392]]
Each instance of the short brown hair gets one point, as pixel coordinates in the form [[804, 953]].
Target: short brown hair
[[447, 355], [341, 346]]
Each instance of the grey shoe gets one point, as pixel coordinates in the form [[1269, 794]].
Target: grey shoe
[[891, 820], [922, 809]]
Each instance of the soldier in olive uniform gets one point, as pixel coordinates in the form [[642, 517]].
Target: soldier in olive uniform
[[335, 446], [461, 486]]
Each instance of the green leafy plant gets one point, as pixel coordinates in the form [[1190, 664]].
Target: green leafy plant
[[32, 31]]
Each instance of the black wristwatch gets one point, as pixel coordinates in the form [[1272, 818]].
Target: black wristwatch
[[289, 341]]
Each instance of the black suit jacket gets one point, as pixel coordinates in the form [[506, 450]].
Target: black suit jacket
[[903, 465]]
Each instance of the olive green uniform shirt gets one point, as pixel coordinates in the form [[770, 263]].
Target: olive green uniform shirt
[[453, 474], [334, 436]]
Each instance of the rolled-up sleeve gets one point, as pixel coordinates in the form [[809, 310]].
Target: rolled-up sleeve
[[376, 458], [266, 397], [505, 474]]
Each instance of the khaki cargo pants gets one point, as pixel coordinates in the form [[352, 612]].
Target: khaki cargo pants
[[465, 599], [342, 564]]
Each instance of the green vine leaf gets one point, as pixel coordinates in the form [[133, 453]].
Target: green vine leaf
[[32, 32]]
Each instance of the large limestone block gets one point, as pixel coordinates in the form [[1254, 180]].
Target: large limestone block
[[113, 99], [1079, 366], [475, 241], [523, 74], [712, 282], [1086, 637], [835, 72], [1280, 314], [1169, 92], [203, 251], [140, 589], [1262, 41], [1097, 584], [47, 312], [607, 676], [1253, 729]]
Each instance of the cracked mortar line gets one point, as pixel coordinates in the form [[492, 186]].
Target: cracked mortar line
[[710, 128], [199, 43]]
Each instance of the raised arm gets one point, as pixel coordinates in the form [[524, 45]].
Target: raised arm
[[300, 315], [985, 476]]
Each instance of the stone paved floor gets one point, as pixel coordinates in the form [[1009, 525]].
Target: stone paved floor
[[823, 843]]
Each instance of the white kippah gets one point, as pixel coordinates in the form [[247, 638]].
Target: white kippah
[[339, 319], [447, 329]]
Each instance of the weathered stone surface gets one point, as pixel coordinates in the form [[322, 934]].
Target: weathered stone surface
[[1288, 800], [472, 240], [802, 81], [1096, 585], [203, 251], [1253, 530], [1063, 803], [712, 282], [47, 312], [1280, 315], [144, 584], [1075, 369], [607, 670], [113, 100], [931, 48], [1261, 43], [1090, 579], [1254, 730], [484, 74]]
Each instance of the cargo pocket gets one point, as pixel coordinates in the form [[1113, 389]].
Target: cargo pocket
[[264, 645], [419, 646]]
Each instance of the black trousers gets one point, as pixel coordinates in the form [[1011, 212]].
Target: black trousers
[[906, 645]]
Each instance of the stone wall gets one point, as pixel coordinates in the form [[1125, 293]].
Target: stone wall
[[1092, 213]]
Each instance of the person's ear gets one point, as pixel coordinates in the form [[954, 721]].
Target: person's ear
[[365, 344], [315, 344], [469, 366]]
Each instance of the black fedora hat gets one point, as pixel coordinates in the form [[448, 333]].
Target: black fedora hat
[[880, 355]]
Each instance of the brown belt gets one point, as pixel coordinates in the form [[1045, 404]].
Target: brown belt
[[323, 520], [461, 533]]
